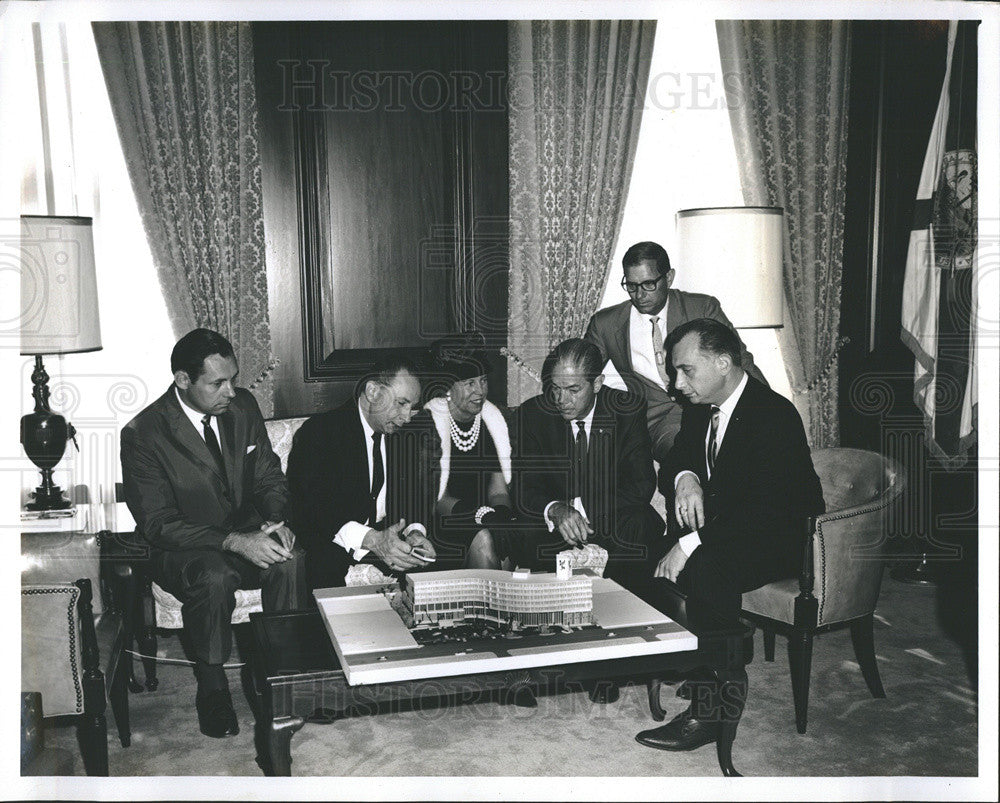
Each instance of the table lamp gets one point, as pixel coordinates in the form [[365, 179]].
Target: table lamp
[[59, 315], [735, 254]]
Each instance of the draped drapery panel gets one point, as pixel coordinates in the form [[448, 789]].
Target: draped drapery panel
[[787, 98], [185, 106], [576, 96]]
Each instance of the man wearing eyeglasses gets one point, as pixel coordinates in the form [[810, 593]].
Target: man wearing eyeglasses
[[631, 337]]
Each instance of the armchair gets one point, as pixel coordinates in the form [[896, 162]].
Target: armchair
[[841, 571], [60, 661]]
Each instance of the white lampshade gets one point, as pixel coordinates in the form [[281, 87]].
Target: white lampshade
[[59, 313], [735, 254]]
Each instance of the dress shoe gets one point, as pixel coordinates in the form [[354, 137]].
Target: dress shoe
[[216, 717], [681, 733], [604, 692]]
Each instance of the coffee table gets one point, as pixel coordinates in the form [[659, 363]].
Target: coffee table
[[293, 672]]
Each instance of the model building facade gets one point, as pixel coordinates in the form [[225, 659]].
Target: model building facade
[[531, 600]]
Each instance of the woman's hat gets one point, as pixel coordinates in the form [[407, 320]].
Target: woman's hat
[[461, 356]]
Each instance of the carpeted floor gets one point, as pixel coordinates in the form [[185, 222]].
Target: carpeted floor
[[927, 725]]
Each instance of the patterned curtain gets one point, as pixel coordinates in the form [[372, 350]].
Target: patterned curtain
[[788, 110], [577, 91], [186, 110]]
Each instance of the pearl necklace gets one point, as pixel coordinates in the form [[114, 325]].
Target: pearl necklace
[[464, 441]]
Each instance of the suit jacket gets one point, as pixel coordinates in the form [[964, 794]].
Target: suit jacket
[[621, 479], [328, 476], [763, 487], [174, 488], [609, 329]]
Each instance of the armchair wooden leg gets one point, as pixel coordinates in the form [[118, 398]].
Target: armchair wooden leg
[[800, 660], [863, 638], [768, 643]]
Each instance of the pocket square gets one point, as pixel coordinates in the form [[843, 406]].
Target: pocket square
[[251, 447]]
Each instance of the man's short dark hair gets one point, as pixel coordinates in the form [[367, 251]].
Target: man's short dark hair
[[578, 352], [191, 350], [647, 250], [713, 336], [386, 368]]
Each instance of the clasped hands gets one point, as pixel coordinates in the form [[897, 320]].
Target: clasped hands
[[272, 543], [689, 511], [398, 549]]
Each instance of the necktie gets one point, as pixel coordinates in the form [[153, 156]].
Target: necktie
[[213, 444], [713, 446], [661, 359], [378, 476], [579, 458]]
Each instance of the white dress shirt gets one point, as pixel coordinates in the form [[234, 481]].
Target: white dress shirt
[[195, 418], [588, 421], [352, 533], [640, 336], [690, 542]]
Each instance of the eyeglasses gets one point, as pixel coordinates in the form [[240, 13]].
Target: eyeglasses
[[647, 286]]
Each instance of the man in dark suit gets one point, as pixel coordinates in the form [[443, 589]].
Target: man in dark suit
[[352, 498], [583, 471], [631, 335], [207, 493], [740, 480]]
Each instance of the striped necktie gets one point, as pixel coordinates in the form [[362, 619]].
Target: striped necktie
[[713, 445]]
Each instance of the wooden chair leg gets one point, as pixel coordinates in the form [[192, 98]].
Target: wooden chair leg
[[768, 643], [800, 644], [93, 727], [863, 638], [131, 608], [147, 639], [118, 690]]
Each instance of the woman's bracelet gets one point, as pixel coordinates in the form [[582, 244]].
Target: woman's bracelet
[[482, 512]]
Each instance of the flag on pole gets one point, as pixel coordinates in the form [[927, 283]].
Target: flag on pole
[[938, 291]]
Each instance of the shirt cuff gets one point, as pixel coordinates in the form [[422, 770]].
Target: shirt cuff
[[681, 474], [689, 543], [577, 505], [350, 537], [416, 527], [545, 515]]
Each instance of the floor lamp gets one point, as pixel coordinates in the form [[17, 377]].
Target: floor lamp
[[59, 315]]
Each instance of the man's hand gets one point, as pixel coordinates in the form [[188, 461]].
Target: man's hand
[[420, 543], [278, 530], [689, 503], [573, 527], [256, 546], [393, 550], [671, 564]]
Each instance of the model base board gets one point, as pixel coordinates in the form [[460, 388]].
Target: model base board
[[374, 645]]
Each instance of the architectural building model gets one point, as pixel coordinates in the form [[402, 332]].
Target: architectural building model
[[442, 599], [375, 645]]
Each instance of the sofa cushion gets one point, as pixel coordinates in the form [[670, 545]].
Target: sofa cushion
[[168, 607], [280, 432]]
